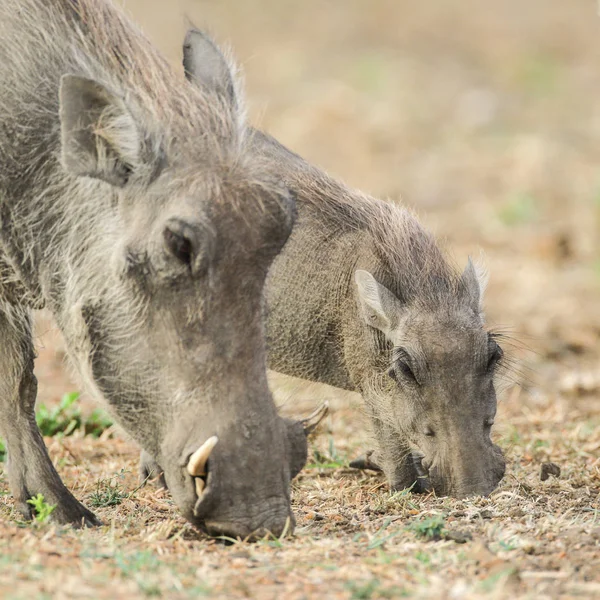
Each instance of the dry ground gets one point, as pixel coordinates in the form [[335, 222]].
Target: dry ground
[[485, 117]]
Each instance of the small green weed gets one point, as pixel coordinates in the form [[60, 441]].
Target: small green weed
[[508, 545], [109, 492], [43, 510], [402, 500], [66, 418], [381, 537], [431, 528], [328, 460]]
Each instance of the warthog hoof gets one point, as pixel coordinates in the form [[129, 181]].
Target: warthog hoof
[[27, 482], [68, 510]]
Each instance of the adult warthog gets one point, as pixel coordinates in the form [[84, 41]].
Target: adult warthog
[[132, 207], [363, 299]]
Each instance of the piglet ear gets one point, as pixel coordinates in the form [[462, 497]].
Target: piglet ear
[[207, 66], [380, 308], [473, 283]]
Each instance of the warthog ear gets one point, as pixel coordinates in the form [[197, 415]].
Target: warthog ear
[[473, 283], [100, 138], [207, 66], [380, 308]]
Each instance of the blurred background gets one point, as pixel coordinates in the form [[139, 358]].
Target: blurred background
[[483, 116]]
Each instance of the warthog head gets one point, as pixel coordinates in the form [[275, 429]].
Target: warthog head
[[430, 389], [189, 224]]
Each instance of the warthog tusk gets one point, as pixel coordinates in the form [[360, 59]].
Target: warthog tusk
[[312, 421], [199, 486], [197, 463]]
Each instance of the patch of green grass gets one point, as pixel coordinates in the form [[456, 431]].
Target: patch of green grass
[[431, 528], [43, 510], [423, 557], [109, 492], [328, 460], [67, 418], [519, 210]]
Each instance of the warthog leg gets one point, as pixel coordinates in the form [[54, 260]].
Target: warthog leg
[[28, 467]]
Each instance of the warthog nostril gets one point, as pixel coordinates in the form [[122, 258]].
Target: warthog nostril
[[197, 465]]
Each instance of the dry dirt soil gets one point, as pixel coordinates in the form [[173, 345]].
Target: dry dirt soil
[[484, 117]]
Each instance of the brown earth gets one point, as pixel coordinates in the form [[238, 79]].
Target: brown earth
[[485, 117]]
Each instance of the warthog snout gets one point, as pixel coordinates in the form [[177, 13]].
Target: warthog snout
[[226, 487], [473, 470], [266, 517]]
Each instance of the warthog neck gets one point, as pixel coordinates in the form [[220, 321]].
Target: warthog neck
[[309, 293]]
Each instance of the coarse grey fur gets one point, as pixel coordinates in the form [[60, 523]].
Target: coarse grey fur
[[142, 219], [362, 298]]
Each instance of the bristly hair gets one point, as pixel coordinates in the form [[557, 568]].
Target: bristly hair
[[414, 265], [42, 39]]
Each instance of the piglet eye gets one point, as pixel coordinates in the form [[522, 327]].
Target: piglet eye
[[429, 432], [404, 368], [488, 422], [401, 366], [496, 355]]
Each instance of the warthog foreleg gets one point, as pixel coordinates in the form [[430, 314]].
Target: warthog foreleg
[[28, 467]]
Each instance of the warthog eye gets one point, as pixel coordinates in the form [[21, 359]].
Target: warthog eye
[[496, 354], [401, 366], [488, 422], [178, 243], [405, 369]]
